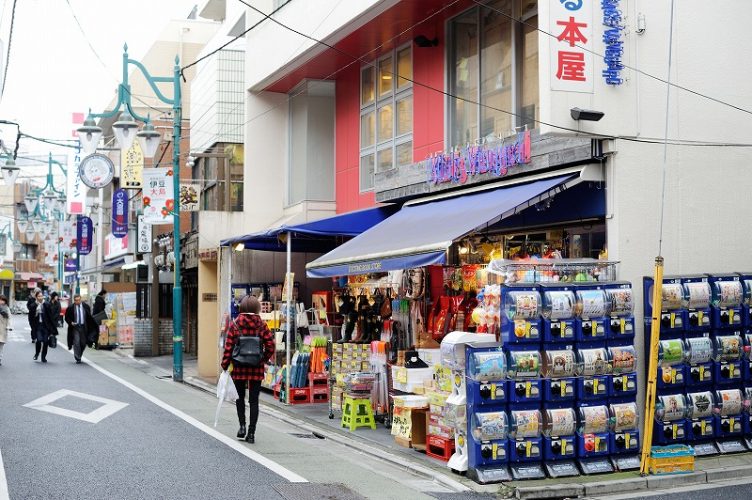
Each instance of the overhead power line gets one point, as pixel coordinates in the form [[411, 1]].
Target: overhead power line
[[10, 41]]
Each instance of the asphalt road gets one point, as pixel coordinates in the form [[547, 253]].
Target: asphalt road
[[140, 451]]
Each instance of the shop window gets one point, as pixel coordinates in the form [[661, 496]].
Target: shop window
[[493, 70], [28, 252], [386, 117]]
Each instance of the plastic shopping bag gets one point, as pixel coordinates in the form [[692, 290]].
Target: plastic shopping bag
[[226, 391]]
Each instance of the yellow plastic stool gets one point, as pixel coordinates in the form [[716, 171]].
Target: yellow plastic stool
[[357, 412]]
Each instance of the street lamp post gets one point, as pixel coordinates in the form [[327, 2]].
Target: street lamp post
[[125, 132]]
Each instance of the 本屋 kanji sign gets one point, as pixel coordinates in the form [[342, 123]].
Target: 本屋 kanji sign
[[571, 23]]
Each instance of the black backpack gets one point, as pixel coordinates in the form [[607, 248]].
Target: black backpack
[[248, 351]]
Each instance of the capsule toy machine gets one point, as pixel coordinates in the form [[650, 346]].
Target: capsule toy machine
[[559, 372], [453, 357], [525, 386], [671, 419], [747, 424], [558, 313], [671, 376], [488, 446], [673, 314], [699, 296], [486, 377], [520, 314], [747, 358], [623, 374], [728, 360], [702, 422], [746, 279], [525, 443], [560, 441], [594, 379], [625, 436], [730, 407], [727, 298], [700, 366], [593, 439], [621, 326], [593, 322]]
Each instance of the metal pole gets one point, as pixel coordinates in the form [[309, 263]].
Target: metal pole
[[288, 321], [177, 291]]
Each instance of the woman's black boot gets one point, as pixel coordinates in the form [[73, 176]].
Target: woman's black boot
[[241, 431]]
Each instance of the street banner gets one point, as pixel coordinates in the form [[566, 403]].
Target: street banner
[[144, 235], [571, 46], [68, 234], [189, 197], [76, 192], [70, 265], [158, 196], [132, 167], [50, 252], [84, 235], [120, 213]]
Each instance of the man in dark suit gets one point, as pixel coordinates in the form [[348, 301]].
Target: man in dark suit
[[82, 329]]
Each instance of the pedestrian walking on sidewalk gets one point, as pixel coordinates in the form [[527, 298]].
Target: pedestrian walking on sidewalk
[[55, 308], [43, 326], [248, 323], [4, 322], [82, 329], [31, 306]]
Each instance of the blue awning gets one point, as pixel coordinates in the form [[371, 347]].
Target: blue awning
[[420, 234], [317, 236]]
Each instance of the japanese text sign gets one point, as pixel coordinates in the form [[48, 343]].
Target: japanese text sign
[[76, 189], [144, 235], [158, 195], [132, 162], [571, 24], [84, 236], [120, 213]]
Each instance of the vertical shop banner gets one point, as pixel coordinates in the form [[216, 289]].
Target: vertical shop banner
[[189, 197], [70, 265], [158, 195], [120, 213], [84, 235], [144, 235], [68, 234], [571, 24], [132, 167], [50, 252], [76, 192]]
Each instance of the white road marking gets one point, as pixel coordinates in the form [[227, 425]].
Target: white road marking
[[16, 336], [109, 407], [235, 445], [4, 495]]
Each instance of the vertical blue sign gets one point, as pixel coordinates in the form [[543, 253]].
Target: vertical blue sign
[[84, 235], [120, 213]]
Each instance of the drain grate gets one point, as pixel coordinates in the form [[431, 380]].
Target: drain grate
[[309, 435]]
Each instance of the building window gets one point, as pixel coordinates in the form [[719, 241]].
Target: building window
[[493, 71], [386, 115], [28, 252]]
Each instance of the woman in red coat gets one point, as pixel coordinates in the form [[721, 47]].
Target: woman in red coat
[[248, 323]]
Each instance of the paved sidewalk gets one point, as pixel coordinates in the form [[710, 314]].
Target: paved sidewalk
[[379, 444]]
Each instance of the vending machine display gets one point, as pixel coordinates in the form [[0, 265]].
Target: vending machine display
[[558, 313], [621, 307], [592, 323], [746, 279], [731, 420], [671, 423], [700, 365], [623, 373], [593, 436], [593, 368], [559, 370], [698, 294], [748, 416], [525, 433], [670, 365], [625, 437], [673, 306], [559, 429], [486, 374], [727, 298], [520, 314], [525, 384], [728, 357], [490, 446], [747, 360], [701, 415]]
